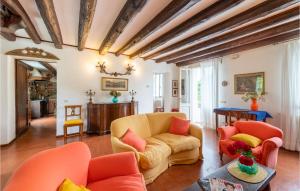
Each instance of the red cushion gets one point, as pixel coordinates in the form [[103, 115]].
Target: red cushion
[[133, 182], [179, 126], [132, 139]]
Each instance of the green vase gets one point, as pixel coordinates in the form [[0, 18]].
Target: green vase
[[115, 100], [248, 169]]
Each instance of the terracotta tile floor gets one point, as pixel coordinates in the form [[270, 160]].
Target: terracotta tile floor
[[41, 136]]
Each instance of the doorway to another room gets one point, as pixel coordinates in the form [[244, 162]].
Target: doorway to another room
[[35, 99]]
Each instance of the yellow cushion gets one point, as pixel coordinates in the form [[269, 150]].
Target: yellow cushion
[[248, 139], [156, 151], [73, 122], [179, 143], [68, 185]]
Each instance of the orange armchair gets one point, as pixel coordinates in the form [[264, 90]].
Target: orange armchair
[[271, 137], [47, 170]]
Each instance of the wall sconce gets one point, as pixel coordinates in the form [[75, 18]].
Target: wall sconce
[[102, 67]]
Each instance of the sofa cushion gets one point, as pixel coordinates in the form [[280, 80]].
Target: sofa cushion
[[248, 139], [179, 126], [133, 182], [179, 143], [137, 123], [160, 122], [68, 185], [132, 139], [155, 152]]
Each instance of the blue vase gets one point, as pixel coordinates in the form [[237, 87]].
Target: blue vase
[[115, 100]]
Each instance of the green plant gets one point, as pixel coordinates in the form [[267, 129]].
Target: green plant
[[115, 93], [258, 95]]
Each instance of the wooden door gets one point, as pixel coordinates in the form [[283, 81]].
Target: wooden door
[[21, 98]]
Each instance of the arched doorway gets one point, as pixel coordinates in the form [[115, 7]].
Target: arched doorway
[[35, 93]]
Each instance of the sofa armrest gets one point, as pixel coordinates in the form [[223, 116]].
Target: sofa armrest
[[227, 132], [196, 131], [270, 148], [274, 142], [118, 146], [118, 164]]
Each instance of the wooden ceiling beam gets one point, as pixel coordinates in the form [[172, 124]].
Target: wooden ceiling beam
[[172, 10], [128, 12], [87, 12], [8, 36], [258, 11], [268, 22], [15, 7], [211, 11], [49, 67], [47, 11], [290, 26], [265, 42]]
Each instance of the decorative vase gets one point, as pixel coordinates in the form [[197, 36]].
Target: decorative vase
[[249, 169], [115, 99], [254, 104]]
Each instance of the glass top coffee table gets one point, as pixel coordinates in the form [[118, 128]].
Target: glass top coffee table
[[222, 173]]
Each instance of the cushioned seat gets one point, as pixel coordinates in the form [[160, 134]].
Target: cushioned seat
[[46, 170], [162, 149], [156, 151], [179, 143], [73, 122], [266, 153], [125, 183]]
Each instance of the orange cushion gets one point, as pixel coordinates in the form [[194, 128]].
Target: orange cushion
[[133, 182], [179, 126], [132, 139]]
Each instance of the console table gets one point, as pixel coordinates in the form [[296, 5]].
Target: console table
[[100, 115], [240, 113]]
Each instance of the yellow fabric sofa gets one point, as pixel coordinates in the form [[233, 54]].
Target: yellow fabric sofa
[[163, 149]]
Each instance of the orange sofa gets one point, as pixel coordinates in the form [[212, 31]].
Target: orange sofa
[[47, 170], [266, 153]]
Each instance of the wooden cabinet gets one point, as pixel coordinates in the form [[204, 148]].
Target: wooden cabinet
[[100, 115]]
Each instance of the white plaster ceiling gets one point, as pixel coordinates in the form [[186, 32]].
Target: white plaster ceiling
[[107, 11]]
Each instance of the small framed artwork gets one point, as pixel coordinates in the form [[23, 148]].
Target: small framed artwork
[[174, 83], [249, 83], [175, 92], [117, 84]]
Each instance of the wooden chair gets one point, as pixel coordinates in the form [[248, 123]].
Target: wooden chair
[[73, 119]]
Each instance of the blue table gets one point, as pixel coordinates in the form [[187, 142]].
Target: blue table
[[255, 115]]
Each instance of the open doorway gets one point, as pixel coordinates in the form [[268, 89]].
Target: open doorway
[[35, 98]]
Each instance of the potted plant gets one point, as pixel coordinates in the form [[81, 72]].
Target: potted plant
[[246, 161], [254, 96], [115, 95]]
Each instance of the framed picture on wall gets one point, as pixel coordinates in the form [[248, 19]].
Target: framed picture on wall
[[117, 84], [175, 92], [174, 83], [251, 83]]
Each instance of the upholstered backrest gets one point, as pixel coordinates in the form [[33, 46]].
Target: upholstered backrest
[[160, 122], [137, 123], [258, 129], [47, 169]]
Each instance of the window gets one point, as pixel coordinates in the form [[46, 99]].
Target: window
[[158, 79]]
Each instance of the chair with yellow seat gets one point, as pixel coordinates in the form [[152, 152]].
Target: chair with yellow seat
[[73, 118]]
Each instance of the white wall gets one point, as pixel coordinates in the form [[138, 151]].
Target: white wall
[[265, 59], [76, 73]]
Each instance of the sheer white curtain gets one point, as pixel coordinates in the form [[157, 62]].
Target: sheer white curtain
[[209, 87], [290, 113], [195, 94]]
